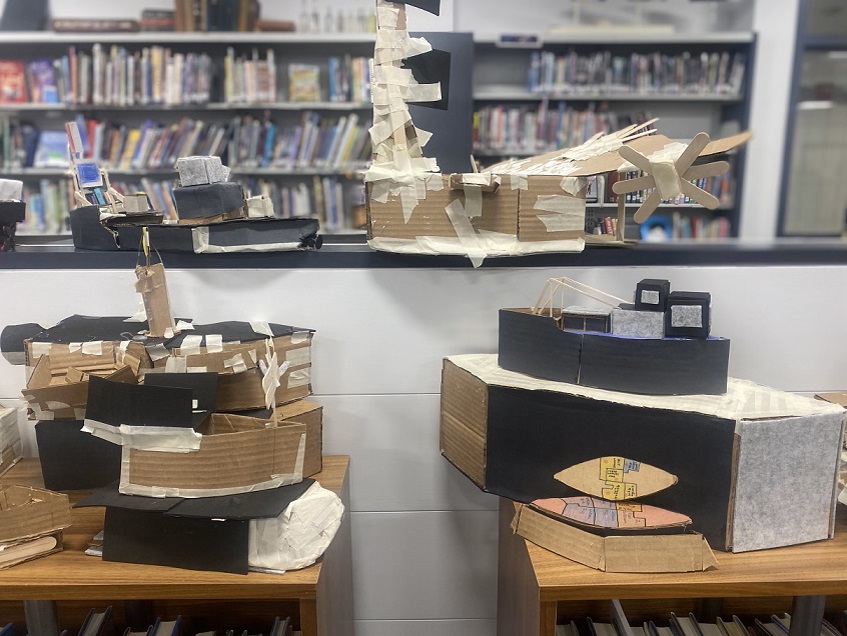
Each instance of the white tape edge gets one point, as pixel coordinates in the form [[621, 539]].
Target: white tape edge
[[300, 377], [40, 349], [157, 352], [94, 348], [262, 328], [163, 439], [214, 343], [300, 336], [301, 355]]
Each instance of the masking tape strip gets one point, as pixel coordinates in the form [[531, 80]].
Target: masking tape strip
[[236, 363], [569, 213], [182, 325], [262, 328], [666, 178], [201, 245], [518, 182], [73, 347], [157, 352], [301, 355], [94, 348], [300, 336], [40, 349], [166, 439], [300, 377], [140, 315], [270, 380], [190, 345], [465, 233], [196, 369], [494, 243], [121, 353], [176, 364], [473, 201], [574, 185], [214, 343]]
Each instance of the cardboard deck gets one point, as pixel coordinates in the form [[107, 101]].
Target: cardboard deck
[[11, 447], [685, 552], [737, 454], [235, 351], [538, 346]]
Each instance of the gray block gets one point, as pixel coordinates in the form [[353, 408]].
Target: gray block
[[11, 190], [215, 170], [201, 170], [638, 324], [136, 203]]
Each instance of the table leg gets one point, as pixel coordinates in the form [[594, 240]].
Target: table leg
[[806, 615], [547, 618], [309, 617], [42, 619]]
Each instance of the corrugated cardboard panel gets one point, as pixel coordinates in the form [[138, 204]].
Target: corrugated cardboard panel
[[429, 218], [464, 406], [785, 479], [530, 226], [465, 397], [243, 391], [223, 461], [650, 553], [29, 512], [62, 358], [246, 353], [311, 415]]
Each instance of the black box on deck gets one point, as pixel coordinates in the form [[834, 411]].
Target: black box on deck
[[74, 460], [210, 200]]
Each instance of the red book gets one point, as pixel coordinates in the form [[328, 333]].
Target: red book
[[12, 82]]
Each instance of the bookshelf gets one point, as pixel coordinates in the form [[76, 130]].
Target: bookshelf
[[312, 178], [513, 102], [538, 589], [319, 597]]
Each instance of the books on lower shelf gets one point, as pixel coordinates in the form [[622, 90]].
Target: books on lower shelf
[[316, 142], [530, 130], [688, 73]]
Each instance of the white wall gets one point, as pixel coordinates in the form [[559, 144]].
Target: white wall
[[424, 538]]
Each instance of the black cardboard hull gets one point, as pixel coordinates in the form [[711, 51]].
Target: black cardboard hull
[[536, 346]]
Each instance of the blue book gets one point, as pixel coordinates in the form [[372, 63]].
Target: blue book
[[270, 136]]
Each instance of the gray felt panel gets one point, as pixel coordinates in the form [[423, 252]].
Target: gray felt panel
[[784, 485], [638, 324]]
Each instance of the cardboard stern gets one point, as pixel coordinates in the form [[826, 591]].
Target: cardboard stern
[[751, 449], [30, 514], [687, 552]]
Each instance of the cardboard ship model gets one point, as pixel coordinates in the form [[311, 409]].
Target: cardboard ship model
[[517, 207], [12, 212], [196, 436], [213, 215], [661, 344], [585, 409]]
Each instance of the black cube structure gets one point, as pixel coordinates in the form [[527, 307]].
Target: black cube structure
[[688, 315], [651, 294]]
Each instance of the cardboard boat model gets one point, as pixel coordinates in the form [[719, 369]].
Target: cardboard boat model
[[213, 215], [516, 207], [661, 344], [607, 527]]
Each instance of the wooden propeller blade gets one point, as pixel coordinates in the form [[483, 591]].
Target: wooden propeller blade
[[706, 170], [633, 185], [635, 158], [700, 196], [690, 154], [648, 207]]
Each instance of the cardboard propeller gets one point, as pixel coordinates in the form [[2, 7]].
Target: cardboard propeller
[[616, 478], [670, 178]]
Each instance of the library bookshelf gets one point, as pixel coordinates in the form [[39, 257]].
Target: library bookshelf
[[560, 108], [305, 180], [537, 588], [69, 583]]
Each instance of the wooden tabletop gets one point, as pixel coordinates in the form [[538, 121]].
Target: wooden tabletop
[[818, 568], [71, 574]]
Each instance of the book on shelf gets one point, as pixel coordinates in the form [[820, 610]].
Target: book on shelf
[[349, 79], [250, 79], [12, 82], [94, 25], [304, 83], [47, 207], [154, 20], [721, 187], [687, 73], [215, 15]]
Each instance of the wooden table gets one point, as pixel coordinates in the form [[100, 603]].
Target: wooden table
[[322, 592], [535, 585]]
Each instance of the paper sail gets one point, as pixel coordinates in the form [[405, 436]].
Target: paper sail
[[599, 513], [616, 478]]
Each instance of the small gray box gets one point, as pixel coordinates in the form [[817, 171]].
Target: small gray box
[[11, 190], [201, 170], [136, 203], [627, 321]]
